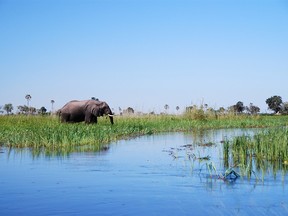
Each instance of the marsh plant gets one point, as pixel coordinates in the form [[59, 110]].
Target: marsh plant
[[46, 132], [267, 151]]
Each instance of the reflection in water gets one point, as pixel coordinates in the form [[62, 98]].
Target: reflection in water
[[65, 151]]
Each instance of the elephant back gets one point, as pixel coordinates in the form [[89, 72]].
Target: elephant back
[[73, 106]]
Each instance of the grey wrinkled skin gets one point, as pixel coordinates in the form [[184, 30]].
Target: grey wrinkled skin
[[85, 110]]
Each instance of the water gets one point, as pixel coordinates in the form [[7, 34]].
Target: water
[[150, 175]]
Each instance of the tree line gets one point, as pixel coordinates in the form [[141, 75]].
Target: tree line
[[274, 103], [25, 109]]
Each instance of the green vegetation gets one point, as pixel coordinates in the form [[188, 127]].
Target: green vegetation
[[47, 132], [266, 151]]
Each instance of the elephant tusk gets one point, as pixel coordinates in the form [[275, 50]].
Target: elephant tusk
[[110, 115]]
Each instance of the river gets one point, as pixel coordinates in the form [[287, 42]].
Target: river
[[149, 175]]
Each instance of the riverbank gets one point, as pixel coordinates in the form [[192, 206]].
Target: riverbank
[[47, 132]]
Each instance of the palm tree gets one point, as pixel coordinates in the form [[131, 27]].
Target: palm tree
[[166, 107], [28, 98], [52, 102]]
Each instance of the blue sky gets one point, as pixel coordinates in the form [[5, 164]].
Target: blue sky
[[144, 53]]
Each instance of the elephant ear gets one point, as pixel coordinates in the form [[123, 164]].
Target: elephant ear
[[93, 109], [102, 107], [98, 109]]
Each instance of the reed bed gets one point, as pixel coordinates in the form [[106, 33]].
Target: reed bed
[[266, 151], [46, 132]]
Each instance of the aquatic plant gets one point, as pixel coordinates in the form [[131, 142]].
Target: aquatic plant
[[266, 150], [229, 175]]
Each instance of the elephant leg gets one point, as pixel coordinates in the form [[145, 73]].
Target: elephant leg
[[65, 117], [87, 119], [93, 119], [90, 118]]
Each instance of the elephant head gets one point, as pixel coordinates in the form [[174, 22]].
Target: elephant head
[[100, 108]]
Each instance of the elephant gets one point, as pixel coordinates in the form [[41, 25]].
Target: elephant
[[85, 110]]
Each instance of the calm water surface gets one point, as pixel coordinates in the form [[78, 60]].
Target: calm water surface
[[150, 175]]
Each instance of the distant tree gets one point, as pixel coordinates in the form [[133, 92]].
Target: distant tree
[[8, 108], [52, 103], [28, 98], [1, 111], [231, 109], [129, 110], [274, 103], [205, 106], [221, 110], [253, 110], [166, 107], [177, 108], [42, 110], [23, 109], [238, 107], [190, 108], [93, 98], [32, 110]]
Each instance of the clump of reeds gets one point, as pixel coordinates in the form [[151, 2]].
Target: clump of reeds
[[265, 150], [200, 113]]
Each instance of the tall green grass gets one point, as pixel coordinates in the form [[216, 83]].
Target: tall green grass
[[46, 132], [267, 151]]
